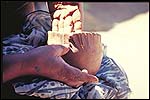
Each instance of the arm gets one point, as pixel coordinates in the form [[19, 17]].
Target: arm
[[44, 61], [12, 66]]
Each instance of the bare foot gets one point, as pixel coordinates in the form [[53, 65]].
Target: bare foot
[[86, 52]]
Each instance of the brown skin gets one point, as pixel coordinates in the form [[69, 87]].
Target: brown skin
[[85, 49], [45, 61], [86, 52]]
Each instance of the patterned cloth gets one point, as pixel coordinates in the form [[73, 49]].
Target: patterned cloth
[[113, 81], [45, 89]]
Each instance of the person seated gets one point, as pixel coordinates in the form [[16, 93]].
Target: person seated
[[30, 47]]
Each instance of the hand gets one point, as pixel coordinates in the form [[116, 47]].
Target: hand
[[67, 17], [86, 51], [49, 63], [45, 61]]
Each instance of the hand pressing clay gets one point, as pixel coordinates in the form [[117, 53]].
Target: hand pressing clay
[[85, 49]]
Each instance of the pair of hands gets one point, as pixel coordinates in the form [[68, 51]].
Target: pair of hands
[[50, 64]]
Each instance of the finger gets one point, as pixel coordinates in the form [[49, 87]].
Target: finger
[[72, 45], [90, 39], [94, 39], [55, 25], [80, 40], [92, 79], [84, 41], [87, 40], [87, 78], [99, 38], [76, 41], [97, 41]]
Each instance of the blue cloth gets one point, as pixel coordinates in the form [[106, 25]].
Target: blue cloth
[[113, 81]]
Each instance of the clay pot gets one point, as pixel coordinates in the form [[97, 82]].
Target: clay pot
[[85, 49]]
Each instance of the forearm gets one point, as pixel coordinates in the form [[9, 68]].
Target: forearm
[[22, 64], [31, 63], [27, 64], [11, 66]]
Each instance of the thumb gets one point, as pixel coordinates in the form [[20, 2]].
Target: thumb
[[92, 79], [89, 78]]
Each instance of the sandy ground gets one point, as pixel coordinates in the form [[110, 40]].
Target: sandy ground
[[124, 28], [128, 44]]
